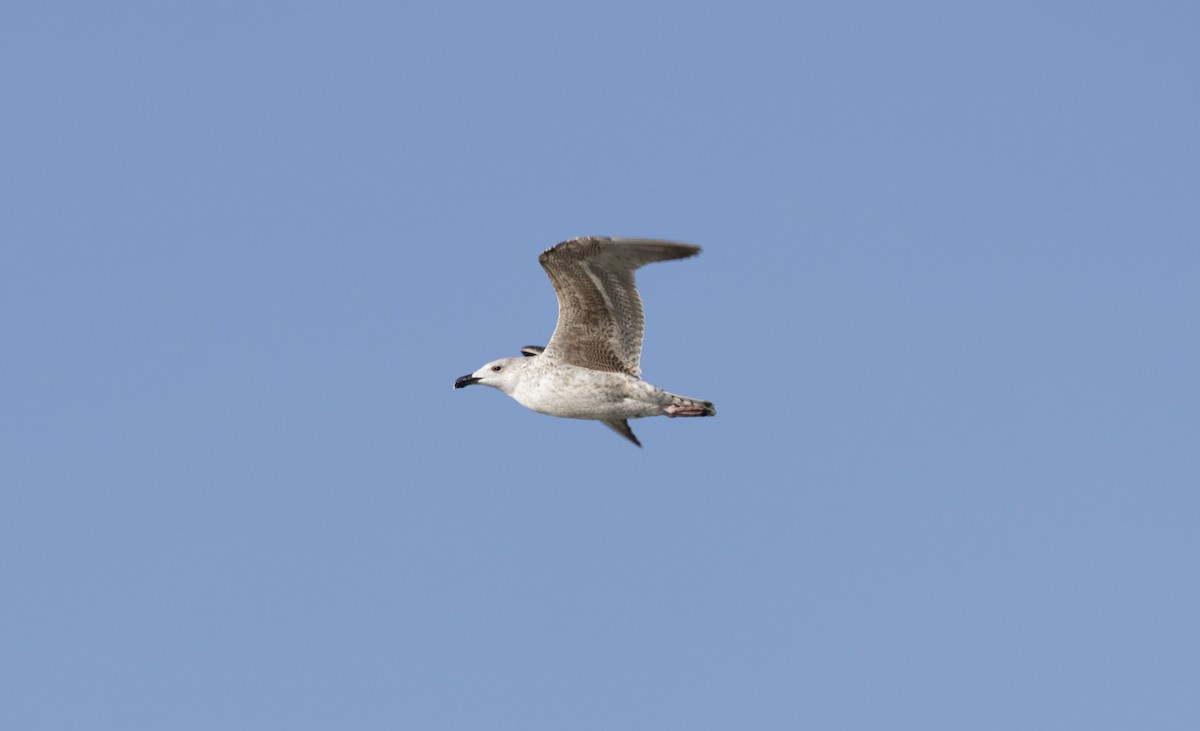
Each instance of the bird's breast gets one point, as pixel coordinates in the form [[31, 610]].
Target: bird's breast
[[581, 393]]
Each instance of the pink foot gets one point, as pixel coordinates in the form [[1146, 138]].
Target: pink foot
[[685, 410]]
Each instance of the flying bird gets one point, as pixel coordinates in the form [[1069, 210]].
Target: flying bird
[[591, 367]]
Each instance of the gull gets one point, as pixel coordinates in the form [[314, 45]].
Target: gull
[[591, 368]]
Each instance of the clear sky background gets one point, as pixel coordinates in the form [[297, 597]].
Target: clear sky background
[[947, 309]]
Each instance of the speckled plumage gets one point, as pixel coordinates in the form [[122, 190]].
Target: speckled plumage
[[590, 369]]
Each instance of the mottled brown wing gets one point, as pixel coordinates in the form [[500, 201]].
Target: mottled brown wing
[[600, 320]]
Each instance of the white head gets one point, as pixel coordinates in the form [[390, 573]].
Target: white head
[[503, 374]]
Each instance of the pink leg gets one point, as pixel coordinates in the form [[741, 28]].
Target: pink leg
[[685, 410]]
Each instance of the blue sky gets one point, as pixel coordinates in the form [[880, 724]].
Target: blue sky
[[947, 310]]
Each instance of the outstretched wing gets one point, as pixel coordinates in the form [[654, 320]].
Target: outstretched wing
[[600, 320]]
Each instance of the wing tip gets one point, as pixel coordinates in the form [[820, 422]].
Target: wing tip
[[621, 426], [664, 249]]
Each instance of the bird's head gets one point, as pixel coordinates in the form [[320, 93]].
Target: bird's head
[[502, 374]]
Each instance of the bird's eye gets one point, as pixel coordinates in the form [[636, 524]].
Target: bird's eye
[[496, 369]]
